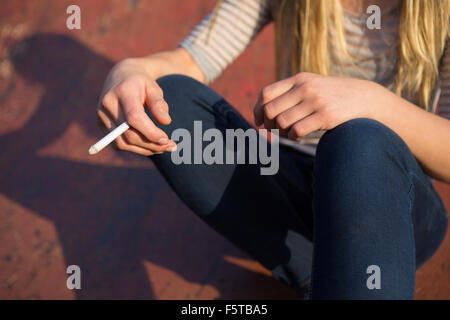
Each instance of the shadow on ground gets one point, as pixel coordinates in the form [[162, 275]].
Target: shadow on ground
[[108, 218]]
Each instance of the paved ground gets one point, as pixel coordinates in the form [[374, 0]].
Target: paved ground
[[136, 240]]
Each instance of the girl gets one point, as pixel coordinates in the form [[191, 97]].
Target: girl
[[354, 218]]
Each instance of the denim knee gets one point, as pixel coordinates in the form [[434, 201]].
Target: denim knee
[[361, 164], [177, 84], [364, 146], [361, 135], [178, 91]]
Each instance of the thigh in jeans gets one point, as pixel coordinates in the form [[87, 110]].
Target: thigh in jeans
[[268, 217], [373, 207]]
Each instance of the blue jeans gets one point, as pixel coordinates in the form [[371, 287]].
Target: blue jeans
[[320, 222]]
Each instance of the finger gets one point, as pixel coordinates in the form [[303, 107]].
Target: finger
[[305, 126], [269, 124], [269, 93], [283, 102], [101, 124], [156, 104], [281, 132], [104, 120], [134, 137], [139, 120], [276, 89], [292, 115], [122, 145], [258, 113], [109, 104]]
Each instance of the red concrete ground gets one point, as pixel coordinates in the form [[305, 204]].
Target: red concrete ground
[[112, 214]]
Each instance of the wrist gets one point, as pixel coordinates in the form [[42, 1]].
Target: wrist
[[177, 61], [156, 65], [382, 103]]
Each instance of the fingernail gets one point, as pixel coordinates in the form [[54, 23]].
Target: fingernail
[[163, 141], [172, 149], [163, 113]]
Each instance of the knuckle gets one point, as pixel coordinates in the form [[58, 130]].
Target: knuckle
[[132, 137], [268, 108], [120, 89], [307, 88], [121, 145], [266, 93], [281, 121], [125, 87], [132, 117], [298, 131], [300, 76], [318, 101], [107, 99]]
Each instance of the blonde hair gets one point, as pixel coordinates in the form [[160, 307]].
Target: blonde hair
[[424, 28]]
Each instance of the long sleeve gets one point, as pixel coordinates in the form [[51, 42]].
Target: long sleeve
[[214, 46]]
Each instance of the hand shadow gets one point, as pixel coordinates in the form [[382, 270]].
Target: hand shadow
[[108, 219]]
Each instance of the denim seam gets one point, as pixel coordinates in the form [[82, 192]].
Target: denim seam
[[220, 110], [209, 107], [411, 196]]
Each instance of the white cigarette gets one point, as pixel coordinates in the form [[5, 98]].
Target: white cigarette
[[110, 137]]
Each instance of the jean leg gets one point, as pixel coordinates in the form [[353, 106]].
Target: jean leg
[[259, 214], [367, 185]]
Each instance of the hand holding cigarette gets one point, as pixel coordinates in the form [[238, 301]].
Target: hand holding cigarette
[[128, 89]]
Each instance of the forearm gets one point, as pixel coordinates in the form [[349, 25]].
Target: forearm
[[427, 135], [177, 61]]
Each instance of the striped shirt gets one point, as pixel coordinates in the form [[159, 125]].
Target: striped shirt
[[237, 22]]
